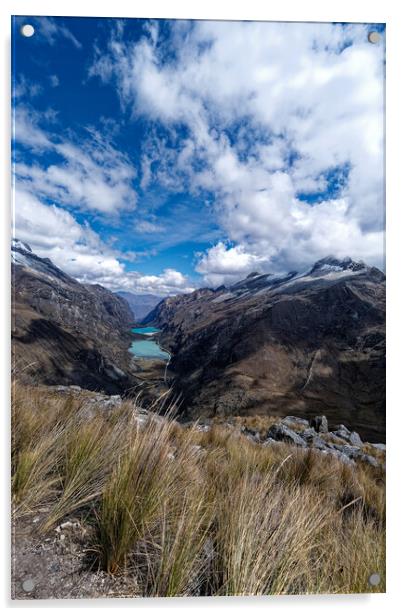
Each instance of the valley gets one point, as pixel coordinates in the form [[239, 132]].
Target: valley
[[300, 344]]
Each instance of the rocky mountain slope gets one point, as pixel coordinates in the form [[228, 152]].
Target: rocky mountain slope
[[300, 344], [64, 332], [140, 304]]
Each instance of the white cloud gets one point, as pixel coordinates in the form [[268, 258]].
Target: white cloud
[[25, 88], [51, 29], [145, 226], [53, 232], [91, 176], [253, 96], [223, 264], [54, 81]]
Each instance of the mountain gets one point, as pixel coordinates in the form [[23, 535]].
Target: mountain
[[299, 343], [65, 332], [140, 304]]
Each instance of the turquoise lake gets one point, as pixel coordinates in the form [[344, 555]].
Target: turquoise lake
[[147, 349], [145, 330]]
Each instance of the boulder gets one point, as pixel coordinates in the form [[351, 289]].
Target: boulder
[[319, 423], [292, 421], [379, 446], [343, 434], [318, 443], [251, 434], [354, 439], [342, 428], [279, 432], [308, 434], [348, 450]]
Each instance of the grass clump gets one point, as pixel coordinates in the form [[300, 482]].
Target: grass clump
[[185, 512]]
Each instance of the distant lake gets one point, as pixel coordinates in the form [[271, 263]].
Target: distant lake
[[145, 331], [147, 349]]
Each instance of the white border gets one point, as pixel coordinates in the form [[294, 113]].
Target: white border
[[284, 10]]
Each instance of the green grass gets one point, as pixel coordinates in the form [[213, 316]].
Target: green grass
[[185, 512]]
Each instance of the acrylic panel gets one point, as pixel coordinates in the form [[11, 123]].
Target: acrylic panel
[[198, 308]]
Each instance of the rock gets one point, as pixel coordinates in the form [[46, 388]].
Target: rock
[[279, 432], [379, 446], [269, 441], [76, 388], [342, 457], [343, 434], [367, 459], [319, 423], [251, 434], [348, 450], [354, 439], [291, 421], [318, 443], [203, 428], [334, 439], [342, 428], [308, 434]]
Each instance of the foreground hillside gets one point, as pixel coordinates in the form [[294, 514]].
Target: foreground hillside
[[112, 500], [67, 332], [297, 344]]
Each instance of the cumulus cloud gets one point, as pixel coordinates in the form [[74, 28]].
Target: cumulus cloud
[[223, 264], [91, 174], [271, 113], [54, 233]]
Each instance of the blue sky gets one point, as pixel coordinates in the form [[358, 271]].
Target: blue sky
[[158, 156]]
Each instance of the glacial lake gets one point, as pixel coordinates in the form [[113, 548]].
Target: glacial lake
[[147, 349], [145, 331]]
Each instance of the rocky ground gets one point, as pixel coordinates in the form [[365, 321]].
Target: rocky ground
[[341, 442], [59, 565]]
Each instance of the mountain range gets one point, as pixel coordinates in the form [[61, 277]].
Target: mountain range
[[299, 343], [303, 343]]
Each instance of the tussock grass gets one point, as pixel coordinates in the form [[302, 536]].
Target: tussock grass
[[187, 512]]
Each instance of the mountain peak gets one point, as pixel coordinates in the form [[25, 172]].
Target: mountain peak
[[16, 244], [331, 263], [253, 275]]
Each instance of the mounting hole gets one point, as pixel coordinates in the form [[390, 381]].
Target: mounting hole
[[28, 585], [374, 37], [27, 30], [374, 579]]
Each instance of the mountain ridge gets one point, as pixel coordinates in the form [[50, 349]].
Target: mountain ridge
[[283, 344], [66, 332]]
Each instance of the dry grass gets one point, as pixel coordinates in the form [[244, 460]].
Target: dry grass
[[187, 512]]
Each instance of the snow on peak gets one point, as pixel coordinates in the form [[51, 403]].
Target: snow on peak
[[332, 264], [16, 244]]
